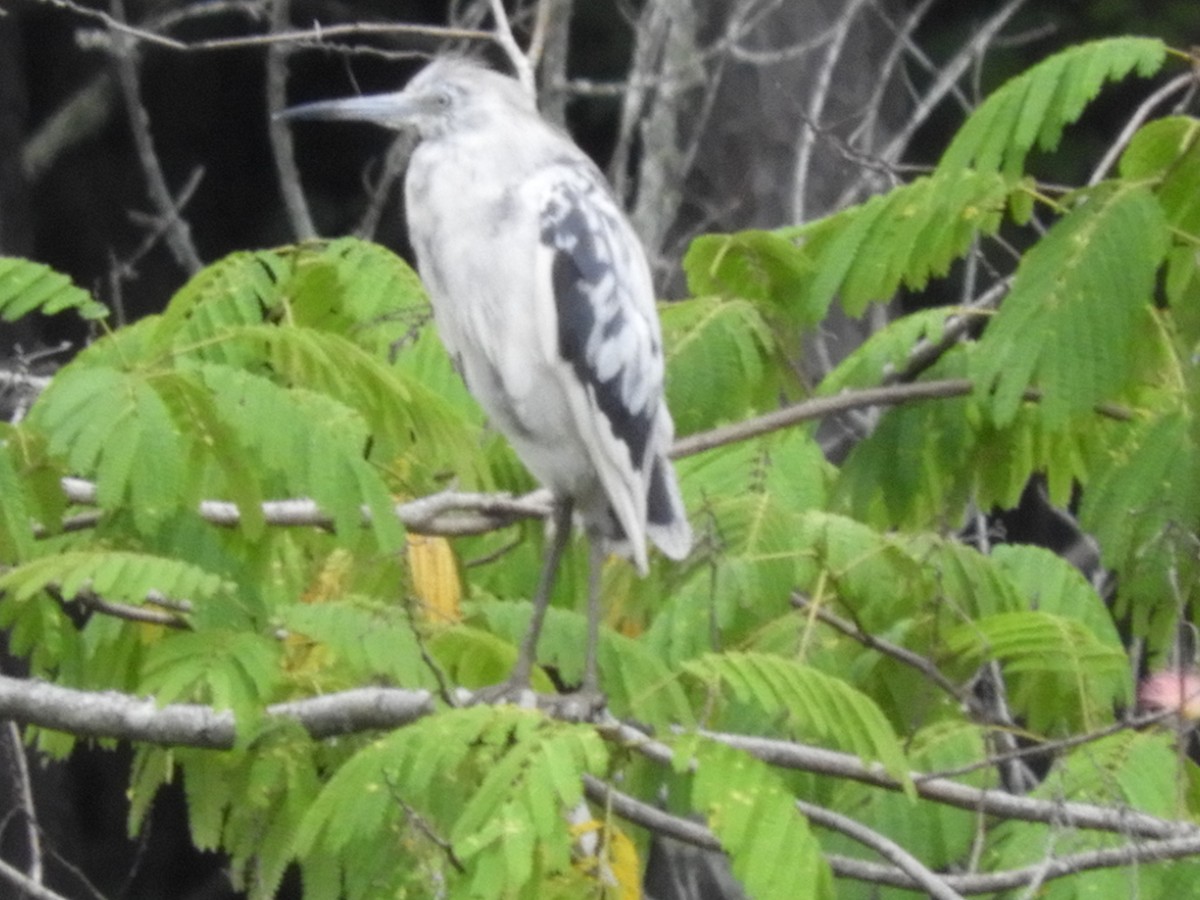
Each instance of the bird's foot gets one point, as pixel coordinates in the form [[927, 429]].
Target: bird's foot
[[511, 692], [584, 705]]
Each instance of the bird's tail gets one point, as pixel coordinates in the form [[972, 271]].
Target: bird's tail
[[666, 519]]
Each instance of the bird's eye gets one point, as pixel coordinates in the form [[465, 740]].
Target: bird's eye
[[442, 99]]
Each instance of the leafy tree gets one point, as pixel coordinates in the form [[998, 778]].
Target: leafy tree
[[273, 509]]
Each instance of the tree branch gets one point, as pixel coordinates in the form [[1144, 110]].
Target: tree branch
[[453, 514], [921, 875], [821, 761], [279, 133], [503, 36], [178, 234], [25, 885], [694, 834], [110, 714]]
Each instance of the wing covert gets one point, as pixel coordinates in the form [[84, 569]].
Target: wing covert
[[606, 326]]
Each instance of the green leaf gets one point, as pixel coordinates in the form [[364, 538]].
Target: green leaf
[[412, 430], [1071, 676], [105, 422], [312, 445], [722, 362], [887, 350], [226, 669], [763, 266], [26, 286], [241, 289], [366, 644], [1168, 151], [817, 706], [16, 525], [905, 236], [1130, 770], [1149, 486], [1078, 306], [938, 835], [874, 575], [751, 811], [119, 576], [493, 782], [1035, 106]]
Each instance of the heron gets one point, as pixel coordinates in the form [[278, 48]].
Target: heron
[[542, 294]]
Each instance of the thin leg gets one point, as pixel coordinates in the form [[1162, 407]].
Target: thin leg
[[591, 680], [541, 600]]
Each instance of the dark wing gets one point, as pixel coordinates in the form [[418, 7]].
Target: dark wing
[[607, 332]]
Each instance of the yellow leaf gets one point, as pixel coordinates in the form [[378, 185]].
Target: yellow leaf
[[435, 579], [619, 872]]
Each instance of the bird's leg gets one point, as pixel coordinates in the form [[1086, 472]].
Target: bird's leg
[[519, 679], [591, 680]]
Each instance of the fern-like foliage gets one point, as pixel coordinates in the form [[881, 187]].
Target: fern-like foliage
[[771, 849], [813, 704], [1103, 255], [26, 286], [490, 785], [914, 232], [1128, 771], [935, 834], [1032, 109]]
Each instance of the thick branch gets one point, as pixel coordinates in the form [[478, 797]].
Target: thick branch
[[791, 755], [694, 834], [109, 714]]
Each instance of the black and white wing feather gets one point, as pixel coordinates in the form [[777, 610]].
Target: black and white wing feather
[[600, 303]]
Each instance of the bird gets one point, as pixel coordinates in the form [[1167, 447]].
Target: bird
[[542, 295]]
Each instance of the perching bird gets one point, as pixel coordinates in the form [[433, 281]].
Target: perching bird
[[542, 294]]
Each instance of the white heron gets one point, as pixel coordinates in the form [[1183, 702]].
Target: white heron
[[542, 294]]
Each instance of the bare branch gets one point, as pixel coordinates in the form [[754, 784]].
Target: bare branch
[[945, 83], [816, 106], [887, 648], [921, 875], [1140, 115], [504, 37], [997, 803], [178, 234], [24, 807], [697, 835], [458, 514], [279, 132], [109, 714], [25, 885]]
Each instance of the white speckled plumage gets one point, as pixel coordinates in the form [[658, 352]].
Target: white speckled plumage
[[542, 294]]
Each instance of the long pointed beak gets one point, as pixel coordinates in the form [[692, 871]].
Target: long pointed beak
[[381, 109]]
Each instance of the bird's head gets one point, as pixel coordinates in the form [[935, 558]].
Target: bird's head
[[451, 94]]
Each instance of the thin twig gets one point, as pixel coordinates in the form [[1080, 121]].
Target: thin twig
[[934, 885], [26, 886], [133, 613], [887, 648], [816, 107], [25, 808], [504, 37], [1139, 116], [278, 131], [178, 234], [694, 834]]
